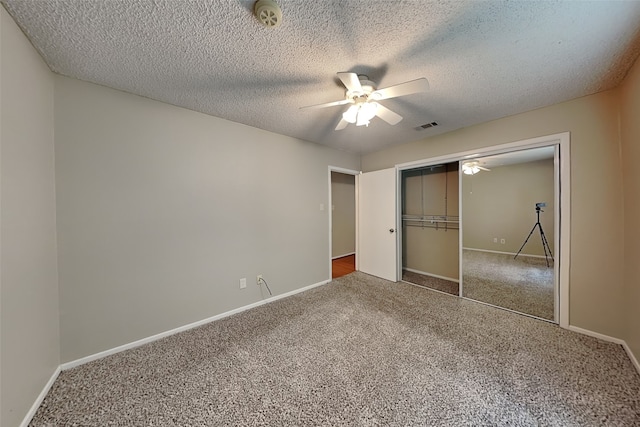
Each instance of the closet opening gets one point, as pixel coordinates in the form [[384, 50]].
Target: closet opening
[[451, 213], [430, 227]]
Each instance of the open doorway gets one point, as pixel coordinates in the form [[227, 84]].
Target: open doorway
[[343, 222]]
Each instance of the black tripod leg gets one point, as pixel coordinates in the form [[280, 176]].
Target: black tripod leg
[[525, 241], [545, 246]]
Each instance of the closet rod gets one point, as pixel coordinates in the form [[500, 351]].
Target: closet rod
[[433, 218], [434, 225], [431, 221]]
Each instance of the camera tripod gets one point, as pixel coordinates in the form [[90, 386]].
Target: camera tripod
[[545, 243]]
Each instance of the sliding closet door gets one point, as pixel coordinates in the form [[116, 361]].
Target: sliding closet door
[[509, 215], [377, 234]]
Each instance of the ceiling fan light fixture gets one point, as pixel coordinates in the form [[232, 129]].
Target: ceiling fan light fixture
[[351, 115], [473, 167], [362, 121], [366, 112], [470, 169]]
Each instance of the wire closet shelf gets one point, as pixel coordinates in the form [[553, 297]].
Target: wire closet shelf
[[439, 222]]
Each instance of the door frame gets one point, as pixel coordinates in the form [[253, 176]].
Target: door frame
[[330, 209], [563, 209]]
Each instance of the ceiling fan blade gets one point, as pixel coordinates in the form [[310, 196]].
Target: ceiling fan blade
[[407, 88], [387, 115], [351, 81], [342, 124], [484, 169], [327, 104]]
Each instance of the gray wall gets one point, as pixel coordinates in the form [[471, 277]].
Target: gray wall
[[30, 351], [630, 127], [596, 285], [162, 210], [501, 203], [343, 220]]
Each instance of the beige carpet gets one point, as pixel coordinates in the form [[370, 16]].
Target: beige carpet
[[524, 284], [359, 351]]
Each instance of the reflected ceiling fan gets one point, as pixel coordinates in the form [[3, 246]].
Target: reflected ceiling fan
[[363, 96], [473, 167]]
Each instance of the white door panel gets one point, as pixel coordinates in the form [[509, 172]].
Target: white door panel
[[377, 234]]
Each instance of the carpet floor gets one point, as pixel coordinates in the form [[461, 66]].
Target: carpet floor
[[524, 284], [359, 351]]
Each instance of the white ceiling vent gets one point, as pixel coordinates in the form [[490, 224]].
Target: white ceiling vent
[[268, 13]]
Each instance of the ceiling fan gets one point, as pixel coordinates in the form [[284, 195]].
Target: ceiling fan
[[472, 168], [363, 96]]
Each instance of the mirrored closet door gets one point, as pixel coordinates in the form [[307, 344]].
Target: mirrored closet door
[[430, 227], [509, 231]]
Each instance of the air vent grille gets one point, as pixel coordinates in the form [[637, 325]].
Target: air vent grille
[[428, 125]]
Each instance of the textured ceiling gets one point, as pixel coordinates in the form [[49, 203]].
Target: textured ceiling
[[484, 60], [516, 157]]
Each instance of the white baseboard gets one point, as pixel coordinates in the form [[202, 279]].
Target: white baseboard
[[504, 253], [598, 335], [437, 276], [608, 338], [632, 356], [34, 408], [143, 341], [82, 361], [343, 255]]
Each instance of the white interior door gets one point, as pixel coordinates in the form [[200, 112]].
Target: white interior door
[[377, 234]]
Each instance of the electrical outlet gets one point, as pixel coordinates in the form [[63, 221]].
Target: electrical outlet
[[243, 283], [258, 279], [495, 240], [503, 241]]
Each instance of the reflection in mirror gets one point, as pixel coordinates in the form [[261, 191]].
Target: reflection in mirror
[[430, 234], [507, 256]]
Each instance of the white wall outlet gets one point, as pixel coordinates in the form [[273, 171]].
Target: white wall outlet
[[258, 279], [243, 283], [503, 241], [495, 240], [321, 206]]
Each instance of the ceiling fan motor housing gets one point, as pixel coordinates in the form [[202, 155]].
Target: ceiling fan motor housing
[[368, 87], [268, 13]]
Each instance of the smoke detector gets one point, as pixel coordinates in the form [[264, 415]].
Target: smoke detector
[[268, 13]]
